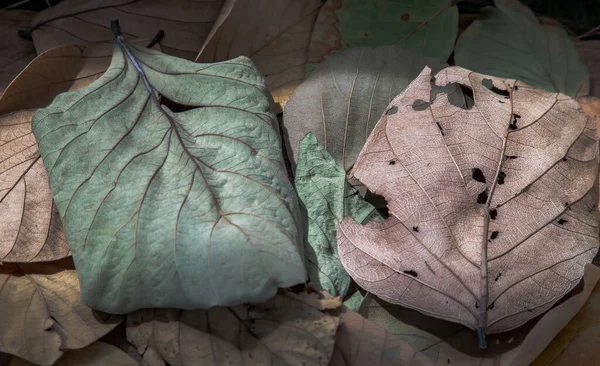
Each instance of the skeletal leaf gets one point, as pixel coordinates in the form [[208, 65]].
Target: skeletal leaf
[[492, 209], [274, 33], [42, 312], [324, 191], [30, 229], [186, 24], [342, 100], [288, 329], [508, 41], [163, 209]]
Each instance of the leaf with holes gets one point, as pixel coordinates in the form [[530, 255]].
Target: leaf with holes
[[288, 329], [162, 209], [323, 189], [508, 41], [492, 209], [30, 227]]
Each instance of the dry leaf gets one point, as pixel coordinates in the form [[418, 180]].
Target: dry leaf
[[450, 343], [274, 33], [31, 228], [186, 23], [15, 52], [61, 69], [283, 330], [96, 354], [492, 209], [42, 313], [360, 342]]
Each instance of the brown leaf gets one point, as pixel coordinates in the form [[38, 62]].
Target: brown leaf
[[42, 313], [590, 53], [283, 330], [274, 33], [450, 343], [96, 354], [185, 23], [15, 52], [514, 176], [360, 342], [31, 228]]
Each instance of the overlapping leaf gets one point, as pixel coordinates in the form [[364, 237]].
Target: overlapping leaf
[[509, 42], [342, 99], [15, 52], [426, 27], [288, 329], [42, 312], [450, 343], [30, 229], [274, 33], [163, 209], [323, 189], [186, 24], [492, 209]]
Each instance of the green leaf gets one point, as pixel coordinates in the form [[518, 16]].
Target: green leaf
[[509, 42], [426, 27], [342, 100], [163, 209], [327, 196]]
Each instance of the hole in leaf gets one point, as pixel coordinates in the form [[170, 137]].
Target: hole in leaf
[[564, 159], [440, 127], [420, 105], [493, 214], [411, 273], [511, 157], [379, 202], [562, 221], [491, 305], [477, 175], [494, 235], [482, 197], [391, 111], [497, 277], [490, 85], [476, 305], [174, 106], [392, 162], [513, 122], [415, 229], [501, 177]]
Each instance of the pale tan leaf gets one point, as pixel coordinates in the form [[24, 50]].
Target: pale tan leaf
[[15, 52], [284, 330], [31, 228], [450, 343], [96, 354], [42, 312], [590, 54], [360, 342], [186, 23], [274, 33], [514, 176], [61, 69]]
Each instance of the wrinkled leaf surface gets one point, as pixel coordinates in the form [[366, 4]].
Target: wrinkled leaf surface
[[162, 209]]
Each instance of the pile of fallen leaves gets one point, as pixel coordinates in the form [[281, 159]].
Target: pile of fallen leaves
[[297, 182]]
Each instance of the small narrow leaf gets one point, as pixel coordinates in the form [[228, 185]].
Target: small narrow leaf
[[164, 209], [327, 196]]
